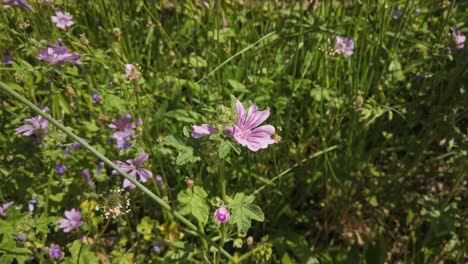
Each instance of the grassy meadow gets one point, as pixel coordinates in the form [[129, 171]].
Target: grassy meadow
[[233, 131]]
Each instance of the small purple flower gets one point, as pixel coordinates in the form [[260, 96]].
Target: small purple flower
[[100, 165], [448, 51], [417, 11], [224, 24], [222, 215], [7, 60], [396, 13], [62, 20], [206, 4], [4, 207], [39, 125], [203, 130], [22, 3], [458, 37], [123, 123], [344, 45], [111, 84], [58, 54], [73, 147], [96, 98], [157, 247], [129, 68], [132, 167], [21, 238], [71, 221], [55, 251], [159, 180], [31, 204], [124, 133], [61, 169], [87, 176], [247, 131]]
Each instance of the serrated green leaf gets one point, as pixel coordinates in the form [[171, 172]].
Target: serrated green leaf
[[224, 149], [193, 201], [243, 212]]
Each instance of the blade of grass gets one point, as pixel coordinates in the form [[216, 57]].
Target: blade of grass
[[140, 186]]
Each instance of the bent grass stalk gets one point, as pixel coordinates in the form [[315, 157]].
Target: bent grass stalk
[[140, 186]]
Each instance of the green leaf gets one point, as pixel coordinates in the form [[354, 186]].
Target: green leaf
[[185, 152], [81, 253], [146, 227], [244, 211], [193, 201], [224, 149], [184, 116]]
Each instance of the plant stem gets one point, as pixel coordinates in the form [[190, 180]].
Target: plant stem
[[140, 186]]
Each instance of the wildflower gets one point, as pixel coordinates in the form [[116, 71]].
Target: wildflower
[[71, 221], [7, 60], [55, 251], [132, 72], [96, 98], [31, 204], [116, 204], [129, 68], [224, 24], [4, 207], [222, 215], [45, 1], [62, 20], [247, 131], [159, 180], [21, 238], [132, 167], [73, 147], [396, 13], [100, 165], [61, 169], [124, 127], [344, 45], [39, 125], [157, 247], [87, 178], [206, 4], [203, 130], [458, 37], [58, 54], [417, 11], [22, 3]]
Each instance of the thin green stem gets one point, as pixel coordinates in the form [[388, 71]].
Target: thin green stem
[[140, 186]]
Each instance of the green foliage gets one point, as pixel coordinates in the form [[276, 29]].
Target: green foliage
[[193, 202], [80, 253], [244, 211]]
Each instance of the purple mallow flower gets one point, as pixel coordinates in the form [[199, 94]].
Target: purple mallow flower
[[62, 20], [21, 238], [39, 125], [247, 131], [222, 215], [203, 130], [7, 60], [58, 54], [4, 207], [96, 98], [71, 221], [129, 68], [159, 180], [157, 247], [87, 177], [60, 169], [55, 251], [458, 37], [132, 167], [396, 13], [73, 147], [31, 204], [124, 133], [344, 45], [22, 3]]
